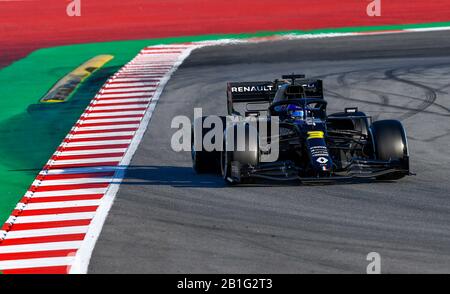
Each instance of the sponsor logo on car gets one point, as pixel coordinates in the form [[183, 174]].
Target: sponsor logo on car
[[243, 89], [322, 160]]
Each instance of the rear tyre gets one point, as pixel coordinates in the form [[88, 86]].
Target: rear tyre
[[244, 152], [390, 143], [205, 161], [225, 166]]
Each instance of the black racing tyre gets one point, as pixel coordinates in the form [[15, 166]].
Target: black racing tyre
[[205, 161], [226, 157], [390, 143], [201, 161], [225, 166], [241, 154]]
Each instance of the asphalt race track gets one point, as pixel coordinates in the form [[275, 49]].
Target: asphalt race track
[[166, 219]]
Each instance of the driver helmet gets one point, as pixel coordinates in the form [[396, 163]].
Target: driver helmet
[[296, 112]]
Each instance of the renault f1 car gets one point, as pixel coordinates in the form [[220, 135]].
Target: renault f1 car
[[313, 145]]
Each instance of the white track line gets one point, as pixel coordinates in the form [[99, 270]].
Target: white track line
[[97, 143], [99, 102], [36, 262], [54, 217], [69, 192], [40, 247], [86, 180], [99, 115], [128, 89], [103, 135], [112, 120], [113, 107], [126, 94], [109, 127], [134, 84], [135, 79], [47, 232], [80, 170], [61, 204], [96, 151], [86, 160]]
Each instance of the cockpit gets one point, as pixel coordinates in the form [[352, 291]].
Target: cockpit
[[292, 102]]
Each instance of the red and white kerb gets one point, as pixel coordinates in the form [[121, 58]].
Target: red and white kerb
[[54, 227]]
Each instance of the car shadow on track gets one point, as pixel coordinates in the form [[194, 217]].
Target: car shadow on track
[[178, 176]]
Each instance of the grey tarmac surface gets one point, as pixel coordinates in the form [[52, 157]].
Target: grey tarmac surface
[[166, 219]]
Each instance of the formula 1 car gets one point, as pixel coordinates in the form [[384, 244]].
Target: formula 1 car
[[313, 145]]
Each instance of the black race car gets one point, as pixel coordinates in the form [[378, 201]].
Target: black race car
[[312, 145]]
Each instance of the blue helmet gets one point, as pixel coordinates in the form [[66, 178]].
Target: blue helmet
[[295, 111]]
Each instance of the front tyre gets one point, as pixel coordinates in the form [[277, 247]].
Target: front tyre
[[390, 144]]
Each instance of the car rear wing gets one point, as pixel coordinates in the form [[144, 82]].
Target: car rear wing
[[249, 92], [311, 88], [265, 91], [306, 88]]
